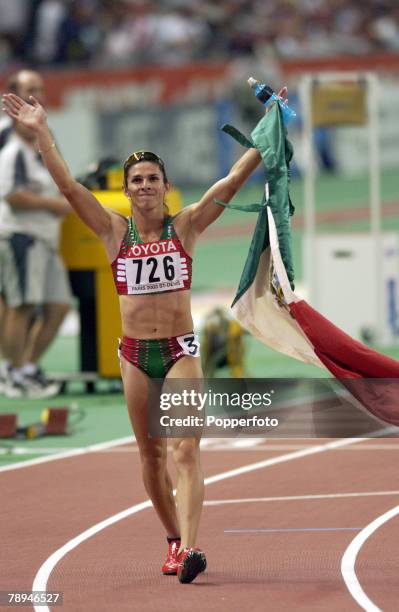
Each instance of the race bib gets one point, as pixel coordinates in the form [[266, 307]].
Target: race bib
[[154, 268], [190, 344]]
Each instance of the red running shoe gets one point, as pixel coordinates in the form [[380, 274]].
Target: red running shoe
[[191, 562], [170, 566]]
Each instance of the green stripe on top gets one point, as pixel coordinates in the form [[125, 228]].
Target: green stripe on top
[[133, 236]]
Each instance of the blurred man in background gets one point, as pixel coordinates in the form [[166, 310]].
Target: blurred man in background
[[34, 287]]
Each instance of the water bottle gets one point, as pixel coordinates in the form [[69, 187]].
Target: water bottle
[[266, 95]]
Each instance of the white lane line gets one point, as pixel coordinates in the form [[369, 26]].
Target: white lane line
[[255, 445], [43, 574], [255, 500], [94, 448], [245, 442], [349, 559], [277, 447], [297, 454], [292, 530], [377, 447], [58, 450]]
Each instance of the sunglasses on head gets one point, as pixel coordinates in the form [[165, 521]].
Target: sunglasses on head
[[139, 156]]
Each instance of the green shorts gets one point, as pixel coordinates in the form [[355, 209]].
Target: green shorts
[[156, 356]]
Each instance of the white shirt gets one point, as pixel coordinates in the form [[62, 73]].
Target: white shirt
[[5, 130], [22, 168]]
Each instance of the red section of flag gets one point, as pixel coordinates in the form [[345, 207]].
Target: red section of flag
[[341, 354], [356, 365]]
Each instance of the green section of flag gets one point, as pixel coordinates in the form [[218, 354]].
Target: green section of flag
[[237, 135], [269, 137], [243, 207], [259, 242]]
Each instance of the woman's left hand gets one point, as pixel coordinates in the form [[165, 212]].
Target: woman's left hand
[[281, 94]]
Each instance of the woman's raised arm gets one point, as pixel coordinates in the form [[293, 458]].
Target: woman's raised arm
[[206, 211], [83, 202]]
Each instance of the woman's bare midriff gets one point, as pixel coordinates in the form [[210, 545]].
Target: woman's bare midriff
[[157, 315]]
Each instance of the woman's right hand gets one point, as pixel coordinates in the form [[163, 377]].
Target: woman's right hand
[[30, 115]]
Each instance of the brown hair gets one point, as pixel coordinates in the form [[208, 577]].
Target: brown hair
[[140, 156]]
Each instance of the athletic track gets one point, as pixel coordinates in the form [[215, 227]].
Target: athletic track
[[288, 525]]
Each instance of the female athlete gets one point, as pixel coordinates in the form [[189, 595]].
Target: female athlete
[[150, 255]]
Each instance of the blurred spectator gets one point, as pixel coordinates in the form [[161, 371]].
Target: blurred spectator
[[129, 32], [180, 35], [13, 23], [34, 288], [49, 16], [385, 29], [79, 34]]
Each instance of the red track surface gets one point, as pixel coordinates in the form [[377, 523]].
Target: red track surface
[[119, 568]]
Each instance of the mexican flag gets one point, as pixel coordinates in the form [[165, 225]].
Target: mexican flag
[[267, 306]]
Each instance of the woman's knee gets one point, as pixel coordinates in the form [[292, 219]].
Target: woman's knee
[[186, 453], [153, 458]]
